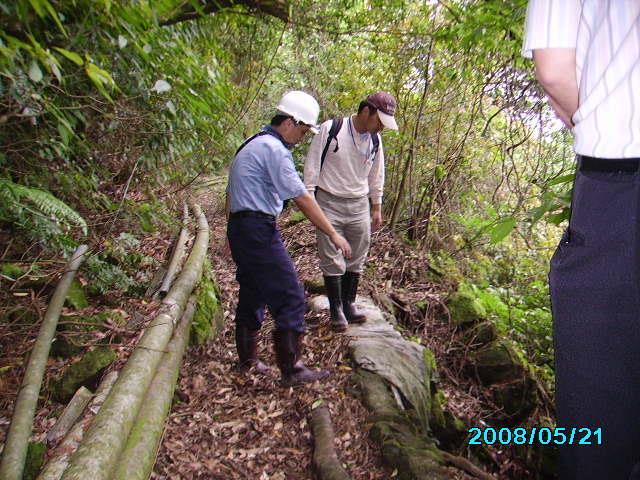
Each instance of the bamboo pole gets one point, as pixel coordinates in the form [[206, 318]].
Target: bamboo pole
[[71, 413], [139, 455], [325, 460], [59, 459], [177, 255], [15, 449], [104, 441]]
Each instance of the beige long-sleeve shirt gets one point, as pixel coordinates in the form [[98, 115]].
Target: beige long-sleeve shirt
[[351, 172]]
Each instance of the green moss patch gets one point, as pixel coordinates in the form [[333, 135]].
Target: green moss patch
[[465, 309], [76, 298], [83, 373], [208, 319], [35, 459]]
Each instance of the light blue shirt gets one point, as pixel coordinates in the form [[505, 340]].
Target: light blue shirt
[[262, 176]]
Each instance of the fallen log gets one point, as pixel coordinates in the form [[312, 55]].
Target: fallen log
[[105, 439], [59, 458], [69, 416], [139, 455], [177, 256], [325, 460], [15, 449]]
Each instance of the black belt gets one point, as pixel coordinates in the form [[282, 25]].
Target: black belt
[[622, 165], [251, 213]]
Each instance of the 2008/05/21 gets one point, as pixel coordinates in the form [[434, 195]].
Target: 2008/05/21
[[533, 435]]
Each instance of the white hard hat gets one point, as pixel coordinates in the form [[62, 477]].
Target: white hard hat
[[302, 107]]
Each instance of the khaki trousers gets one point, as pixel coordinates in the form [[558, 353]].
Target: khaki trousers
[[351, 219]]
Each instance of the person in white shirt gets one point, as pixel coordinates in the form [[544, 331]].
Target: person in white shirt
[[587, 58], [345, 169]]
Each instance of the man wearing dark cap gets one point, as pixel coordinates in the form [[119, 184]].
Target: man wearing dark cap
[[345, 169]]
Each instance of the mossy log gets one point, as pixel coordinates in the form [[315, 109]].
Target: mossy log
[[139, 455], [177, 256], [59, 458], [325, 460], [71, 413], [15, 449], [104, 441]]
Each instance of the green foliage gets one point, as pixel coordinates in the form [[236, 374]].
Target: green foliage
[[26, 207]]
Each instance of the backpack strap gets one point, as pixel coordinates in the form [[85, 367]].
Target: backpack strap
[[376, 144], [244, 144], [336, 125]]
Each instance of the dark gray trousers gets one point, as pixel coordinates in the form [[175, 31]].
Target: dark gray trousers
[[595, 295]]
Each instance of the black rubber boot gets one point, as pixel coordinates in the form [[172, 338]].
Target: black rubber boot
[[247, 346], [287, 346], [350, 282], [332, 285]]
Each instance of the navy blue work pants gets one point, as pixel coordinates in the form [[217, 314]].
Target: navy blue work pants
[[595, 295], [266, 275]]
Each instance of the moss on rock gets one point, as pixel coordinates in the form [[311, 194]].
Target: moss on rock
[[208, 319], [315, 286], [481, 334], [35, 459], [497, 362], [76, 298], [465, 309], [296, 217], [75, 332], [83, 373], [517, 399], [11, 270]]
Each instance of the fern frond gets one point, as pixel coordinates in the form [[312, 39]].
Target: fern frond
[[51, 207]]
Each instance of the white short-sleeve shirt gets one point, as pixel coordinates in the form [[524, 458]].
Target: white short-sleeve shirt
[[606, 36]]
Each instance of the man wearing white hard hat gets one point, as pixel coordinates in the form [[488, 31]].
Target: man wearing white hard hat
[[345, 169], [261, 177]]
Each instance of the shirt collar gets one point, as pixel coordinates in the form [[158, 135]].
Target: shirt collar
[[273, 132]]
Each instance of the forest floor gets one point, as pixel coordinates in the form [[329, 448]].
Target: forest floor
[[232, 425]]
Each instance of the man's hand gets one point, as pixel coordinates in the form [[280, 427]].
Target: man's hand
[[341, 244], [376, 217]]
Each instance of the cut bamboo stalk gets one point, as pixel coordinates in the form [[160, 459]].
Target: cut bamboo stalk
[[325, 460], [59, 459], [178, 255], [139, 455], [71, 413], [15, 449], [104, 441]]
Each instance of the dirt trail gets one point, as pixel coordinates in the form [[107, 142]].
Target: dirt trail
[[230, 425]]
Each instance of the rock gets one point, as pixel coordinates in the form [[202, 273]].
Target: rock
[[465, 309], [414, 456], [481, 334], [315, 286], [35, 459], [76, 297], [208, 320], [450, 431], [517, 399], [83, 373], [496, 362], [76, 332]]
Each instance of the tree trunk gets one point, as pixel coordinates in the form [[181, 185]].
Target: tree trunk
[[97, 455], [178, 255], [139, 455], [15, 449], [325, 460], [59, 459], [71, 413]]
